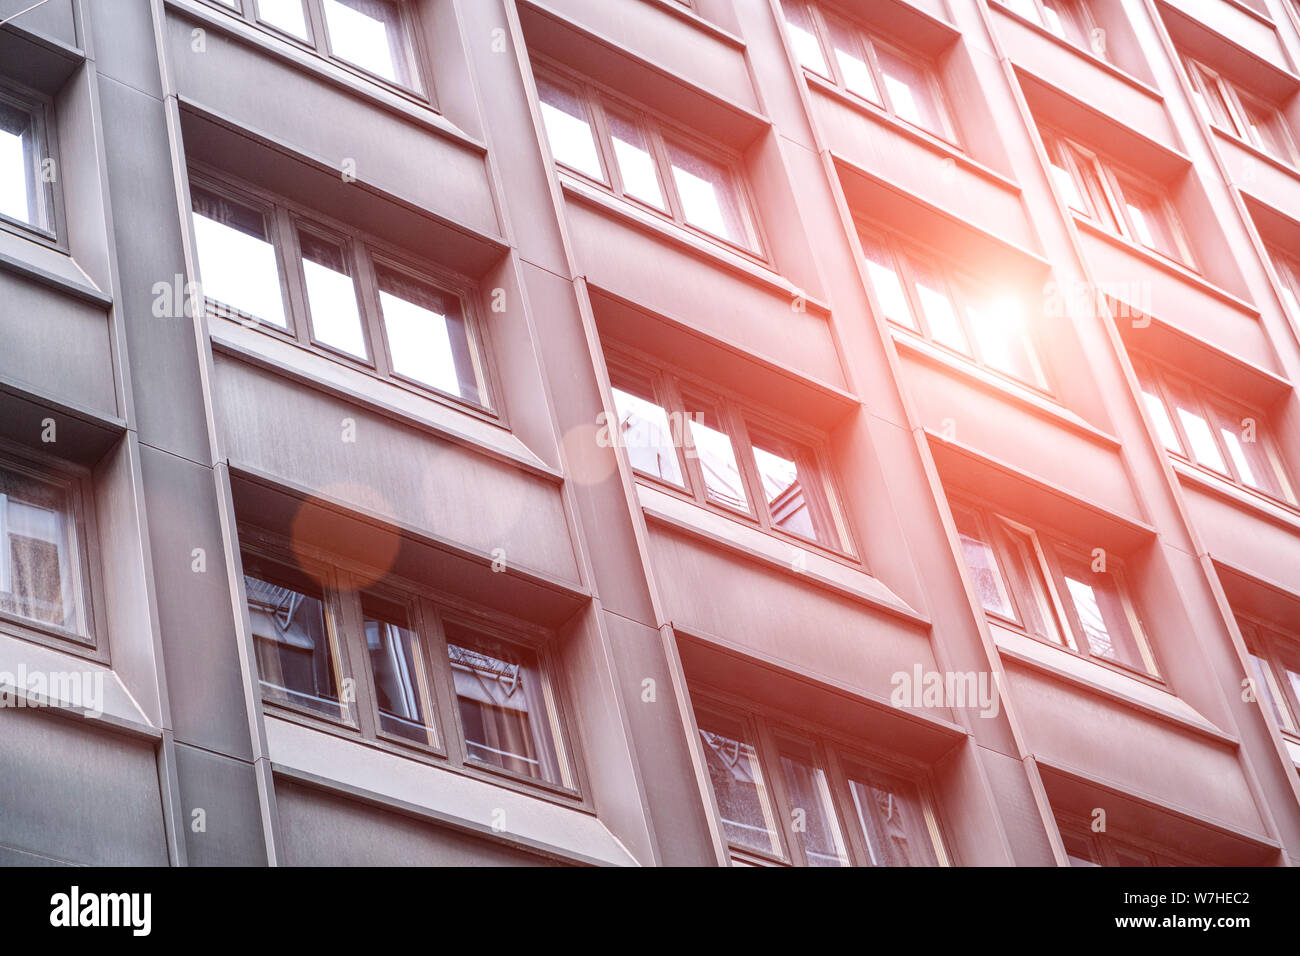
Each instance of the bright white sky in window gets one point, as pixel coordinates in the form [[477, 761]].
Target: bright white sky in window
[[900, 95], [806, 48], [700, 203], [14, 176], [942, 318], [634, 163], [1198, 433], [571, 140], [857, 76], [420, 343], [239, 270], [334, 316], [718, 462], [1160, 415], [1239, 457], [1094, 625], [286, 15], [361, 39], [645, 432]]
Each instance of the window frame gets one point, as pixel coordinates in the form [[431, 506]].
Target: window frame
[[867, 43], [1103, 190], [1274, 646], [1049, 593], [834, 753], [1153, 374], [363, 253], [351, 582], [76, 482], [598, 100], [318, 43], [1235, 100], [1079, 15], [735, 414], [52, 230], [957, 284]]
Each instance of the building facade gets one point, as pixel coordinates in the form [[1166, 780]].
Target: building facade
[[650, 432]]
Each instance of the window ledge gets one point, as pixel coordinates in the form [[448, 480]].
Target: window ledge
[[758, 545], [1165, 265], [928, 140], [408, 786], [1255, 152], [48, 266], [1259, 505], [115, 708], [1129, 691], [1043, 405], [290, 360], [266, 42], [663, 229]]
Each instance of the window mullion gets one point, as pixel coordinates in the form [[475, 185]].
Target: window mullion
[[660, 149], [367, 285], [769, 761], [674, 403], [292, 273], [1047, 571], [443, 683], [604, 140], [821, 31], [344, 606], [733, 421], [320, 38]]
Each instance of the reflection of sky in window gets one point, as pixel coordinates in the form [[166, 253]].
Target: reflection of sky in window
[[1069, 188], [15, 174], [1094, 625], [1239, 457], [570, 139], [807, 49], [900, 95], [784, 492], [634, 162], [420, 343], [645, 432], [1140, 225], [940, 315], [1000, 328], [335, 319], [984, 569], [718, 462], [700, 202], [287, 15], [1202, 440], [239, 270], [1160, 415], [362, 39], [857, 75]]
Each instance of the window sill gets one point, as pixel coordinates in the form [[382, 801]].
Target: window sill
[[1129, 690], [1254, 151], [757, 545], [1269, 509], [36, 260], [1040, 403], [410, 107], [660, 228], [439, 795], [1176, 269], [289, 359]]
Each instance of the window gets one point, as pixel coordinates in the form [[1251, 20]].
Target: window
[[26, 193], [1288, 272], [1232, 109], [373, 37], [898, 82], [724, 454], [1068, 19], [1275, 669], [1202, 427], [359, 302], [428, 678], [951, 309], [798, 798], [1051, 590], [43, 566], [1118, 201], [644, 159], [1083, 847]]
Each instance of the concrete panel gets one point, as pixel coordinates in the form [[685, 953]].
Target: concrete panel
[[76, 793], [1266, 549], [225, 790], [417, 480], [55, 18]]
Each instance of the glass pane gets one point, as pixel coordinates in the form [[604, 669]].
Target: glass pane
[[1025, 578], [286, 15], [1159, 413], [636, 165], [744, 801], [1065, 19], [1197, 429], [1266, 128], [892, 819], [812, 813], [331, 295], [983, 565], [792, 488], [910, 89], [647, 432], [807, 48], [21, 197], [712, 447], [568, 129], [1243, 437], [295, 655], [1026, 8], [852, 61], [888, 287], [940, 316], [1002, 335], [237, 264], [1209, 94], [370, 34], [1265, 689], [1101, 613], [1065, 182], [397, 663], [506, 711], [1150, 221], [710, 200], [38, 572], [427, 335], [1079, 850]]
